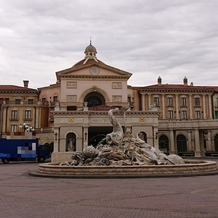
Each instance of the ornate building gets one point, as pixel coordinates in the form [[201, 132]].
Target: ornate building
[[82, 96], [177, 118], [186, 123], [19, 106]]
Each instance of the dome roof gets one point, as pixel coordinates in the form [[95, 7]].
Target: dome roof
[[90, 50]]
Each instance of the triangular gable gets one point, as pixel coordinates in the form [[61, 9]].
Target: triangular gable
[[84, 68]]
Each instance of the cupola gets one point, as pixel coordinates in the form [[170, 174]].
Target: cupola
[[90, 51]]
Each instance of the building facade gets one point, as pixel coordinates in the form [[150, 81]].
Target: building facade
[[186, 117], [19, 108], [72, 113], [82, 96]]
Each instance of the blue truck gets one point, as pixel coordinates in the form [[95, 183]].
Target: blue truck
[[22, 149]]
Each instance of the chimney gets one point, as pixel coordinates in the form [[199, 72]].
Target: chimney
[[25, 83], [159, 80], [185, 81]]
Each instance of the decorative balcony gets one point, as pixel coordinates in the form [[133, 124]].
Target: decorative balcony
[[14, 119], [27, 119]]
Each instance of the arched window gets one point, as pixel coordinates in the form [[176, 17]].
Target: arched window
[[181, 143], [94, 99], [143, 136], [71, 142], [216, 142], [164, 144]]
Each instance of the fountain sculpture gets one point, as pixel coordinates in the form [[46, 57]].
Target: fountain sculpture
[[121, 148], [121, 154]]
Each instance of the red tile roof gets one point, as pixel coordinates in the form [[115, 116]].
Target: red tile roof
[[16, 88], [178, 87]]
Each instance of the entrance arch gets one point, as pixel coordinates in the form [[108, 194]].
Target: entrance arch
[[181, 143], [216, 142], [94, 99], [164, 144], [71, 142]]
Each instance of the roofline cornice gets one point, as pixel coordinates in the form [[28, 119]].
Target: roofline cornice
[[18, 92], [141, 91], [95, 77], [99, 64], [70, 113]]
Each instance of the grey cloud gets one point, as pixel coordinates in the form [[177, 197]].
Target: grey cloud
[[167, 39]]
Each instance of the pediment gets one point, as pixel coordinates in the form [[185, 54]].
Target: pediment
[[92, 68]]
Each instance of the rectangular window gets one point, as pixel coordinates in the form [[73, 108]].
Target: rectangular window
[[17, 101], [4, 100], [71, 85], [216, 114], [170, 101], [216, 102], [14, 115], [71, 108], [170, 114], [27, 115], [13, 128], [44, 101], [30, 101], [116, 98], [198, 114], [55, 98], [156, 101], [184, 115], [183, 101], [71, 98], [197, 102], [116, 85]]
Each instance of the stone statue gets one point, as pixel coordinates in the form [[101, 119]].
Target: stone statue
[[119, 149], [116, 136], [71, 144]]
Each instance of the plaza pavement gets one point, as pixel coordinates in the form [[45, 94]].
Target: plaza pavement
[[25, 196]]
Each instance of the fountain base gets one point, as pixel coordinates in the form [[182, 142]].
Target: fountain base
[[190, 168]]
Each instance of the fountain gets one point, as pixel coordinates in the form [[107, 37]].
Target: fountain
[[120, 154]]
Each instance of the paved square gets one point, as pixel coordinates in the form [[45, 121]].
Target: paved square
[[24, 196]]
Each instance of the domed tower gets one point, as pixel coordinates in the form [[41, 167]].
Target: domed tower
[[90, 51]]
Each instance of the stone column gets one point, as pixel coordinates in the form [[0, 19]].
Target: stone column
[[189, 141], [149, 101], [37, 118], [163, 106], [56, 140], [209, 141], [155, 135], [204, 107], [177, 106], [190, 105], [85, 136], [172, 142], [197, 144], [210, 107], [143, 101], [4, 119]]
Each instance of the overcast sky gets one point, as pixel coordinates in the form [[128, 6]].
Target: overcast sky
[[149, 38]]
